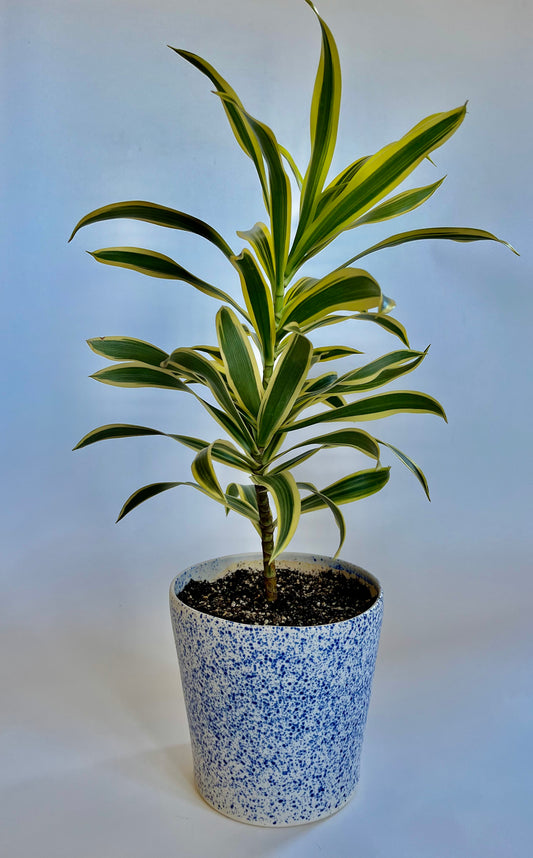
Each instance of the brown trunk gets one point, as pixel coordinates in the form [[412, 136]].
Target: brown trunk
[[267, 542]]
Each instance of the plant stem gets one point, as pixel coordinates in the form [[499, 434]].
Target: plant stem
[[267, 372], [267, 542]]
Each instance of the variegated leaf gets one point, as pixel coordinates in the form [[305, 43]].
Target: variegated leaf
[[157, 265], [156, 214], [350, 488], [374, 408], [337, 514], [283, 388], [287, 501], [126, 349], [241, 368]]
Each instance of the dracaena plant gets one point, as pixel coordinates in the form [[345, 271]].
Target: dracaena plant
[[264, 374]]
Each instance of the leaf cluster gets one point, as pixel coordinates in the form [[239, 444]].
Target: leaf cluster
[[263, 380]]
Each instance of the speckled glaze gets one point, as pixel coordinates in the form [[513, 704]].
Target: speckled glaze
[[276, 713]]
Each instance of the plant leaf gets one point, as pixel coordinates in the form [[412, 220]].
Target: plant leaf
[[115, 430], [157, 265], [374, 408], [293, 165], [289, 375], [400, 204], [261, 240], [287, 500], [239, 361], [413, 467], [127, 348], [354, 290], [337, 514], [350, 488], [246, 492], [371, 370], [393, 326], [204, 474], [159, 215], [279, 191], [325, 109], [147, 492], [258, 302], [356, 438], [245, 502], [135, 374], [453, 233], [381, 378], [325, 353], [237, 120]]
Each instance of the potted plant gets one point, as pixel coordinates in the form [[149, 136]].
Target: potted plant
[[277, 685]]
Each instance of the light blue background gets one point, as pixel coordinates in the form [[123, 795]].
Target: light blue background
[[96, 109]]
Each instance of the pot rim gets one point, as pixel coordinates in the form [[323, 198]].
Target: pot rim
[[230, 560]]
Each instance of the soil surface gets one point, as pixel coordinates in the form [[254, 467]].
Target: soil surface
[[303, 599]]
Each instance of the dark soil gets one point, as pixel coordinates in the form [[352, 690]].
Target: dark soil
[[303, 599]]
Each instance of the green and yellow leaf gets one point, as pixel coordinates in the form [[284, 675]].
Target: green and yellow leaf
[[204, 474], [321, 354], [356, 438], [126, 349], [287, 501], [258, 301], [159, 215], [150, 491], [337, 514], [345, 289], [279, 192], [349, 489], [413, 467], [393, 326], [237, 120], [374, 408], [325, 107], [157, 265], [451, 233], [260, 239], [398, 205], [135, 374], [115, 430], [241, 368], [283, 388]]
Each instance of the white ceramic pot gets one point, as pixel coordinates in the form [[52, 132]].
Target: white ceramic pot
[[276, 713]]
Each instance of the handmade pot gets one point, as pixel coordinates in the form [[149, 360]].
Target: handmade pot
[[276, 713]]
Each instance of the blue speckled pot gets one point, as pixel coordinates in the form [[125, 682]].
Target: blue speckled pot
[[276, 713]]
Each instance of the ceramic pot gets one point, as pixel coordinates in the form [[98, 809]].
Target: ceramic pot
[[276, 713]]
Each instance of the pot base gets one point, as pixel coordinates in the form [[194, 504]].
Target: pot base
[[275, 824]]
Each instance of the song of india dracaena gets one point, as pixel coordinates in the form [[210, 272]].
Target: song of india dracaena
[[264, 374]]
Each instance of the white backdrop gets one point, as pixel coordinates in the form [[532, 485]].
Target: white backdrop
[[97, 110]]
